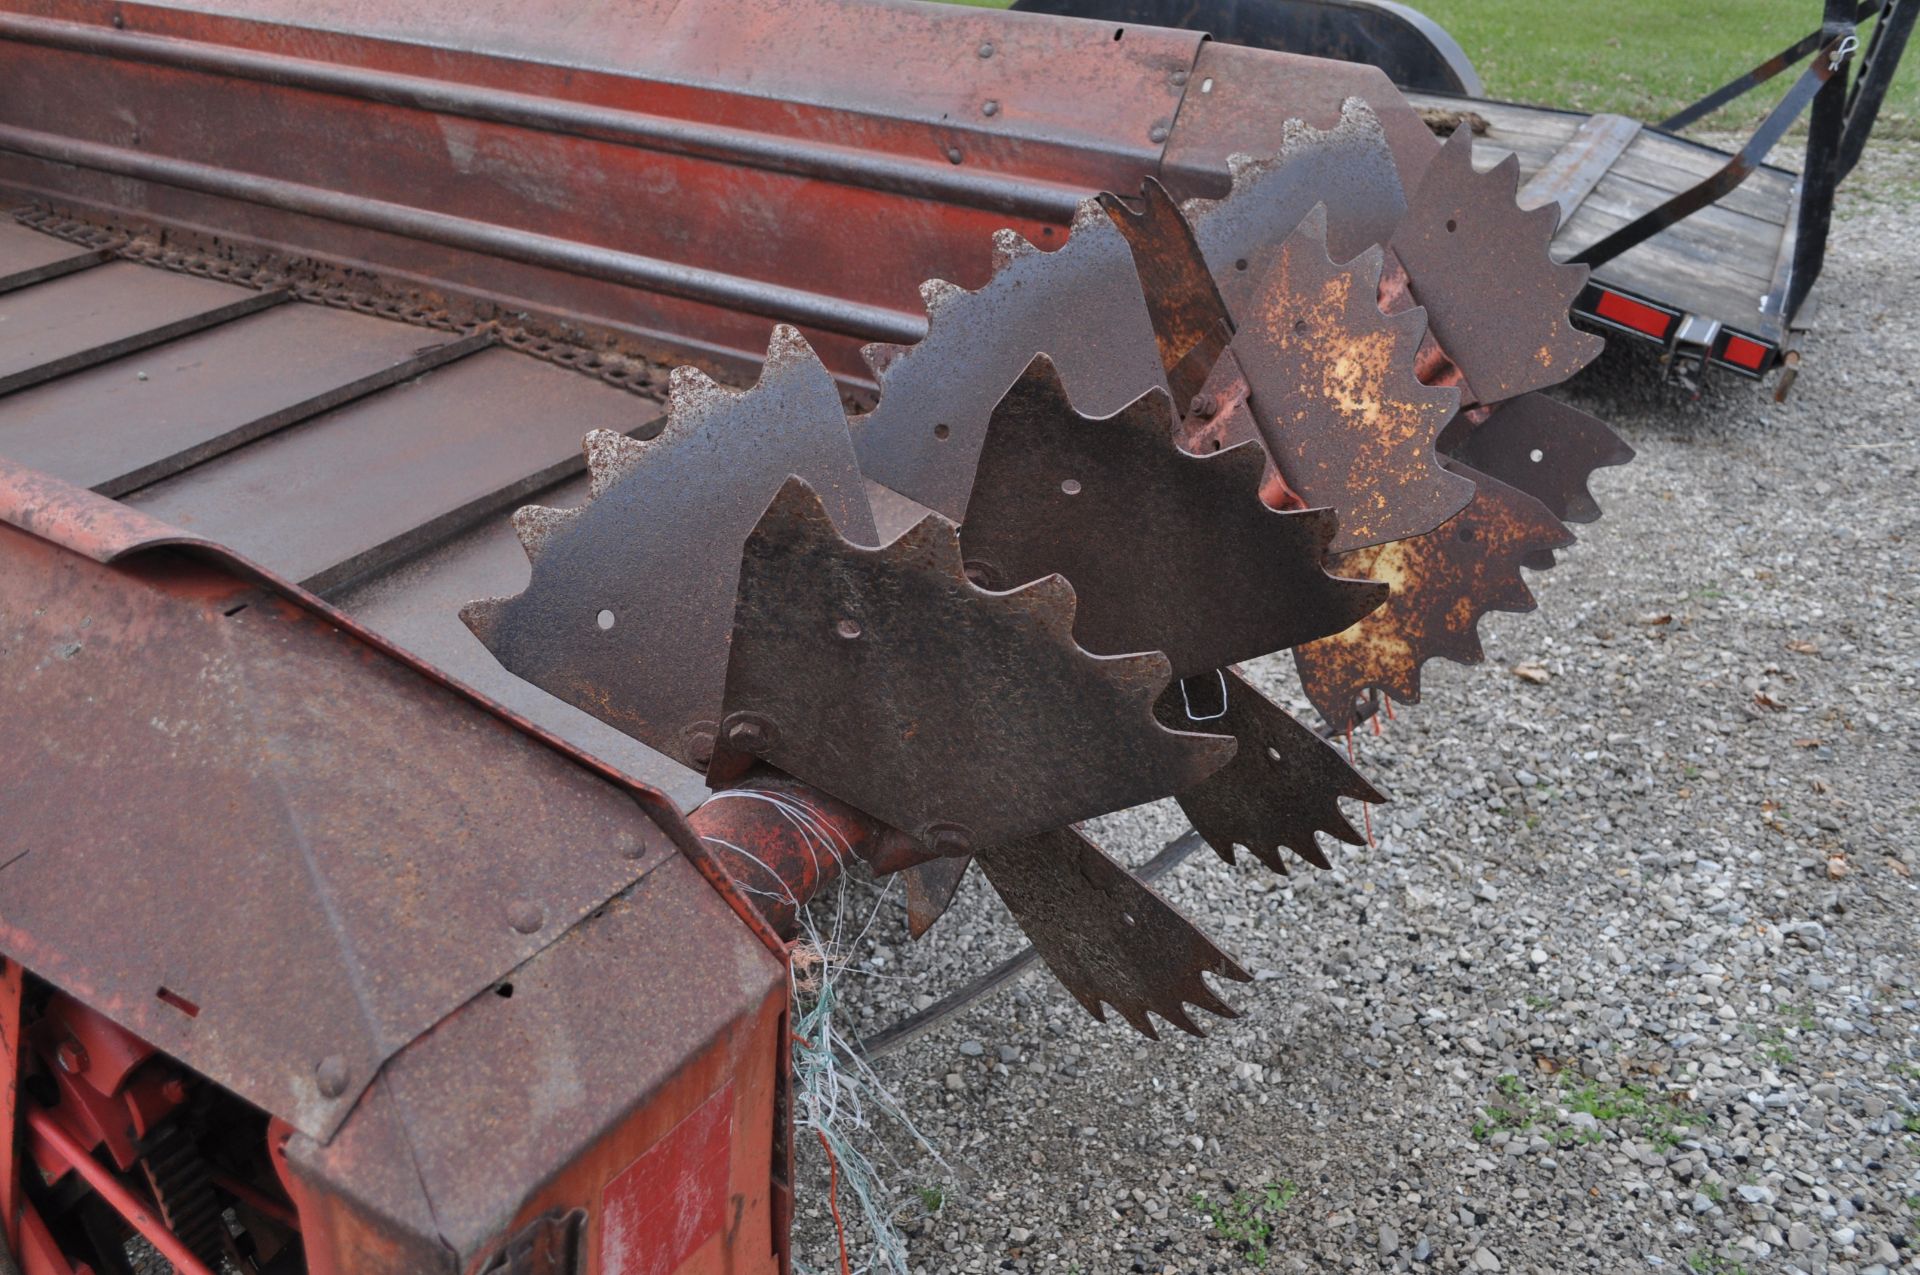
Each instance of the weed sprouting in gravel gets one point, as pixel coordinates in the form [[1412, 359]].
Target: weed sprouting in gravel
[[1705, 1263], [1623, 1108], [1248, 1218]]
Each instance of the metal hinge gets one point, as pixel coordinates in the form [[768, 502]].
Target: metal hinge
[[548, 1245]]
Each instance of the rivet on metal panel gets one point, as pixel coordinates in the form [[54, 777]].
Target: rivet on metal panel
[[990, 107], [953, 154], [1158, 133], [1179, 78], [525, 916], [331, 1076], [986, 49], [749, 732]]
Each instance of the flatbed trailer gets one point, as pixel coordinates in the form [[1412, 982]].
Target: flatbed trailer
[[1711, 254]]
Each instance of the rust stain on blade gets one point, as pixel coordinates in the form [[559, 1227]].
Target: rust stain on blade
[[1442, 583], [1335, 396], [1190, 321]]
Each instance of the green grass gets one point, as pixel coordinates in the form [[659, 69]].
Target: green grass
[[1644, 58], [1248, 1218]]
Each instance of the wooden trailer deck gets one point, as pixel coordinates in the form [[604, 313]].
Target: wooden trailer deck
[[1726, 264]]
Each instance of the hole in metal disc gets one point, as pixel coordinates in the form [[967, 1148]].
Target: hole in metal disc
[[1452, 225], [941, 431]]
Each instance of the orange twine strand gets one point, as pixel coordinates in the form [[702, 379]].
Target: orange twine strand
[[833, 1201]]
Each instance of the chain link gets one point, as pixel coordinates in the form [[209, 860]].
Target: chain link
[[363, 292]]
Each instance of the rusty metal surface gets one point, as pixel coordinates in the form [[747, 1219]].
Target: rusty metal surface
[[142, 417], [783, 841], [1333, 391], [964, 718], [379, 478], [1442, 583], [1348, 166], [1190, 320], [417, 604], [1497, 303], [992, 119], [401, 845], [1281, 787], [1109, 938], [66, 324], [1166, 551], [1254, 93], [27, 257], [1541, 446], [611, 1036], [930, 888], [1080, 304], [631, 598]]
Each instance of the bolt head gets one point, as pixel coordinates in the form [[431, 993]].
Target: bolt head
[[1157, 133], [749, 732], [525, 915], [986, 49], [72, 1056], [990, 108]]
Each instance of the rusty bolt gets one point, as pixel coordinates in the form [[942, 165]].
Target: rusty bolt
[[700, 748], [749, 732], [71, 1055], [525, 915], [331, 1076], [949, 839]]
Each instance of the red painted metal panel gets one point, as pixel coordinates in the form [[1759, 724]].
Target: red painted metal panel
[[672, 1199]]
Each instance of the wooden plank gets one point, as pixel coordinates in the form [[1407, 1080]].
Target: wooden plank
[[1685, 249], [1738, 242], [97, 315], [28, 257], [416, 604], [143, 417], [1764, 194], [394, 473], [1572, 172]]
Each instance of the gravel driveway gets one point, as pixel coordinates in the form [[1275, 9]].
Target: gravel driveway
[[1628, 981]]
